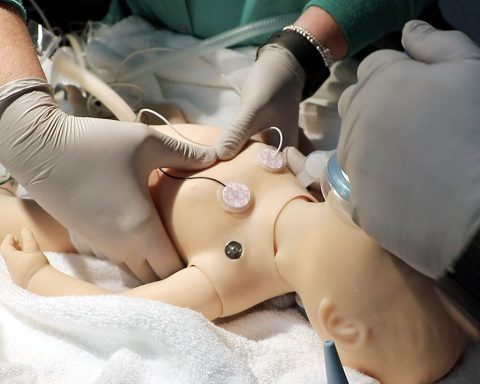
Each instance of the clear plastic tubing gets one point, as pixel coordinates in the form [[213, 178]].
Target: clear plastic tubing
[[222, 40]]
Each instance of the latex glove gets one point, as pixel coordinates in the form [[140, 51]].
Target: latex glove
[[410, 143], [92, 174], [271, 95]]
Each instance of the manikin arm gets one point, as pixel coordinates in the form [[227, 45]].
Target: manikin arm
[[30, 269]]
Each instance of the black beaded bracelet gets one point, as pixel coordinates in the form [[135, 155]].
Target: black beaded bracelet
[[308, 56]]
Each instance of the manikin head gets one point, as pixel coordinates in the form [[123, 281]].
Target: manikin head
[[385, 318]]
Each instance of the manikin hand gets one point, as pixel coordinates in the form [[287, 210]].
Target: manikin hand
[[92, 174], [271, 95], [23, 259], [410, 143]]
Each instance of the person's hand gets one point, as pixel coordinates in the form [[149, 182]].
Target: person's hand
[[92, 174], [23, 258], [410, 144], [271, 96]]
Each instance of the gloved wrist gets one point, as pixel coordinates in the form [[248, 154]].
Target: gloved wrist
[[274, 103], [312, 57], [460, 287], [11, 91]]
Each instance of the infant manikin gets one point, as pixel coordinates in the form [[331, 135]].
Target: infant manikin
[[266, 235], [222, 221]]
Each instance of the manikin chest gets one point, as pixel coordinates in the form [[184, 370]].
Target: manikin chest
[[201, 228]]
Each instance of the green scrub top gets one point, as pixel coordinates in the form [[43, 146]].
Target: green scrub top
[[17, 4], [362, 21]]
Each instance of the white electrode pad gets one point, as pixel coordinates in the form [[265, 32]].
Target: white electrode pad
[[271, 159], [235, 197]]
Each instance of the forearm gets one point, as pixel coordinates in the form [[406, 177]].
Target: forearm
[[323, 26], [358, 23], [48, 281], [19, 59], [188, 288]]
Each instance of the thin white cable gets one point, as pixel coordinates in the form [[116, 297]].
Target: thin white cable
[[135, 53], [280, 134], [42, 15], [153, 49], [167, 123], [230, 83]]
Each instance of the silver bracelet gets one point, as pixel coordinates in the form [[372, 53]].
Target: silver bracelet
[[322, 50]]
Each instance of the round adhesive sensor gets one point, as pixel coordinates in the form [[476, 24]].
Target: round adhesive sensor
[[235, 197], [271, 159]]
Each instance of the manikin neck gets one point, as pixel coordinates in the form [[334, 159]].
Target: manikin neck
[[297, 227]]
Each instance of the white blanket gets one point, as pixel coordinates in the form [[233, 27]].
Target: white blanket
[[113, 339]]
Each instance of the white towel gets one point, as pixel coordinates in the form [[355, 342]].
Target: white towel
[[113, 339]]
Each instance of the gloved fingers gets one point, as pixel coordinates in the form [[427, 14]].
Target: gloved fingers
[[157, 251], [378, 61], [370, 66], [346, 130], [230, 143], [429, 45], [139, 239], [234, 136], [166, 151]]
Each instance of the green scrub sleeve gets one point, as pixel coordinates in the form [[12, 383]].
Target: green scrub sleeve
[[17, 4], [365, 21]]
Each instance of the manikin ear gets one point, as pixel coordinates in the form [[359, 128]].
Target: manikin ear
[[349, 333]]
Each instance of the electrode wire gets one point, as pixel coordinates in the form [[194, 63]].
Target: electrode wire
[[186, 138], [205, 177], [280, 134], [169, 124], [192, 141], [191, 177]]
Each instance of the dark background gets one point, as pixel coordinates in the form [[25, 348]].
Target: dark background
[[68, 15]]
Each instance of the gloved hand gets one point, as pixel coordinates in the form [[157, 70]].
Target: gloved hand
[[92, 174], [410, 143], [271, 95]]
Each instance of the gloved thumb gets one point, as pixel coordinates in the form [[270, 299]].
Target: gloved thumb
[[429, 45], [164, 151], [234, 137]]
